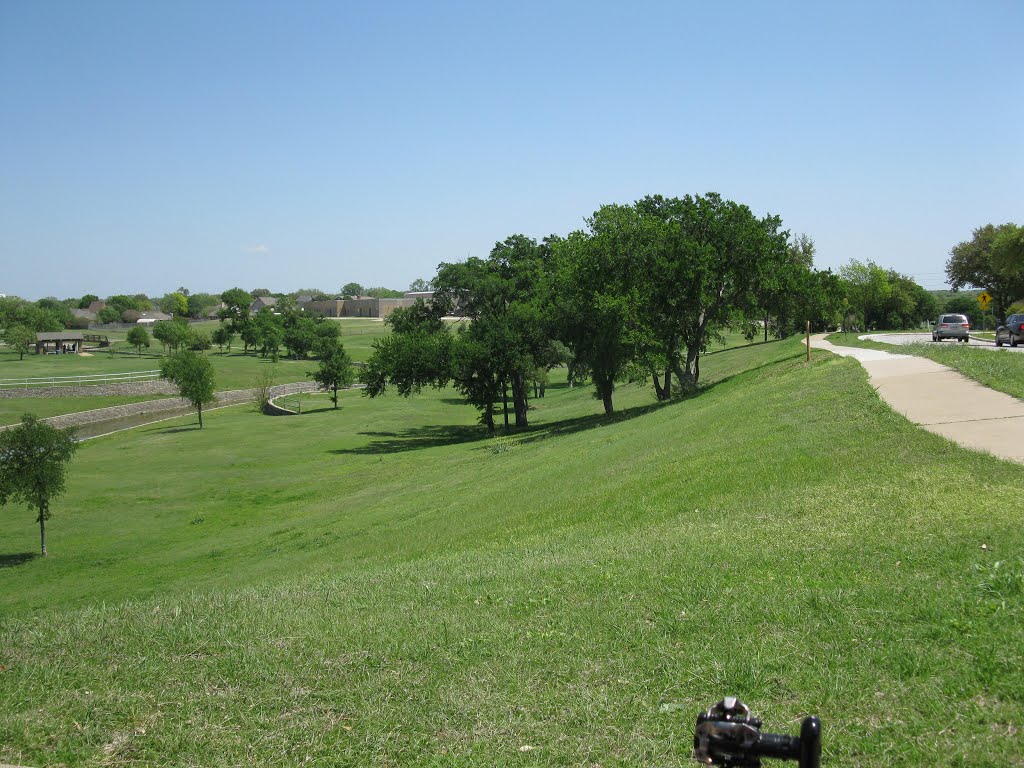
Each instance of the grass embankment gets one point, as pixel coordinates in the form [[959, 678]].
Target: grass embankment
[[383, 586], [1001, 370]]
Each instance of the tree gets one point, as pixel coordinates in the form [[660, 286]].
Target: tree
[[33, 464], [20, 339], [351, 289], [108, 315], [174, 304], [990, 260], [419, 285], [138, 337], [596, 304], [335, 370], [85, 301], [713, 260], [268, 332], [201, 303], [960, 304], [236, 306], [380, 292], [222, 337], [193, 375], [58, 310], [173, 334], [198, 341], [505, 297], [299, 334]]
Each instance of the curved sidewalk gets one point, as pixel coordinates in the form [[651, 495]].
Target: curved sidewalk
[[941, 400]]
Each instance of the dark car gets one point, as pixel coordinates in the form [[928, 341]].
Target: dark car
[[1011, 332]]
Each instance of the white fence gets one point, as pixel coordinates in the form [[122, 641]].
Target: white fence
[[73, 381]]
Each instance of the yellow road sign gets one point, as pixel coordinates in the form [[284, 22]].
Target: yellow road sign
[[984, 299]]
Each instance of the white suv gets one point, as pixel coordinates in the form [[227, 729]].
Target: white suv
[[951, 327]]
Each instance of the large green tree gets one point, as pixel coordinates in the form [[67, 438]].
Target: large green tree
[[33, 463], [351, 289], [175, 304], [506, 297], [20, 339], [993, 259], [193, 375], [138, 337], [335, 370], [597, 298]]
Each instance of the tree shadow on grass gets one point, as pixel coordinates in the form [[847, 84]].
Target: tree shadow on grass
[[175, 430], [307, 411], [433, 436], [19, 558], [416, 438]]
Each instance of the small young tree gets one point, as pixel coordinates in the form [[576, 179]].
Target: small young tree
[[198, 341], [222, 337], [335, 371], [193, 375], [138, 337], [264, 388], [20, 339], [33, 462]]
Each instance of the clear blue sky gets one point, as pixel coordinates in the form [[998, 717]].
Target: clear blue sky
[[147, 145]]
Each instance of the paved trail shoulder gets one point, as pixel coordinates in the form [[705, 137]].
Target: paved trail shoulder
[[942, 401]]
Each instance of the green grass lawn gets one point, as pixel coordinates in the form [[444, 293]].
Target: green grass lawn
[[1000, 370], [383, 585]]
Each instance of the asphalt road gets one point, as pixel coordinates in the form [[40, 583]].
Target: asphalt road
[[913, 338]]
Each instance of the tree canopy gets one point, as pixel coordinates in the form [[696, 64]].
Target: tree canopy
[[993, 259], [33, 463], [193, 375]]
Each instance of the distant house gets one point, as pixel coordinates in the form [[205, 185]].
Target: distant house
[[304, 298], [148, 318], [83, 317], [97, 306], [262, 301], [213, 313]]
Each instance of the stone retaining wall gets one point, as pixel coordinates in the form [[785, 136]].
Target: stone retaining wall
[[230, 397], [93, 390]]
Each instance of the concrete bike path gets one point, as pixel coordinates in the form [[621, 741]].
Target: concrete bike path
[[941, 400]]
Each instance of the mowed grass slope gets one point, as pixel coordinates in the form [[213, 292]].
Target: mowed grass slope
[[382, 586]]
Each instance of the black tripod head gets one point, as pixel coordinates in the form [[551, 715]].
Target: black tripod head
[[728, 735]]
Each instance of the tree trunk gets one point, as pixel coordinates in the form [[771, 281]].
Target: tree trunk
[[489, 418], [766, 327], [200, 415], [606, 398], [42, 527], [668, 382], [659, 391], [519, 401], [542, 388], [504, 399], [335, 397]]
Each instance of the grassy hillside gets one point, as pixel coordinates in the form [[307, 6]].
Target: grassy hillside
[[384, 586]]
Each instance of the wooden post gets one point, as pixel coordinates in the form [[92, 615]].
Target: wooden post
[[808, 341]]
